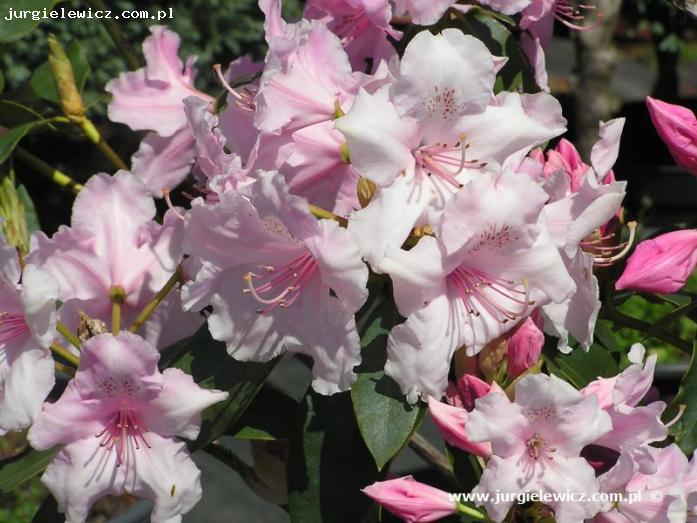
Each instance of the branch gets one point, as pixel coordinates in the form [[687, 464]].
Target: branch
[[432, 456]]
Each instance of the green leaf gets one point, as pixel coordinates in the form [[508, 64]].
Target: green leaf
[[48, 512], [329, 463], [499, 39], [11, 138], [14, 29], [42, 82], [213, 368], [579, 367], [17, 470], [465, 466], [605, 337], [2, 82], [385, 419], [269, 417], [13, 114], [685, 429]]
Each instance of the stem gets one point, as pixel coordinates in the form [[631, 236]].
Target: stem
[[470, 512], [624, 320], [68, 335], [64, 353], [93, 135], [117, 295], [432, 456], [157, 299], [116, 36], [45, 169]]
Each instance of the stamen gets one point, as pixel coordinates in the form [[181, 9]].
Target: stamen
[[572, 15], [11, 326], [168, 200], [604, 260], [122, 429], [681, 411], [228, 87]]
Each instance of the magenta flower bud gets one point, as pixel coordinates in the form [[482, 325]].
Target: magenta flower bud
[[450, 422], [412, 501], [677, 127], [524, 348], [661, 265], [469, 388]]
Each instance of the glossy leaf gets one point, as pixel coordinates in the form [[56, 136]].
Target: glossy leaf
[[42, 82], [14, 29], [269, 417], [329, 464], [48, 512], [11, 138], [579, 367], [385, 419], [685, 429], [17, 470], [211, 367]]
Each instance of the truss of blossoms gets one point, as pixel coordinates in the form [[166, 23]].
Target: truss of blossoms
[[379, 200]]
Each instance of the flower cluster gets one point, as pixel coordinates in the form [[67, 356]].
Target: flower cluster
[[335, 162]]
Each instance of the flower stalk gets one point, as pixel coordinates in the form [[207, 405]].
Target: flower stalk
[[65, 331], [156, 300], [64, 353], [117, 295]]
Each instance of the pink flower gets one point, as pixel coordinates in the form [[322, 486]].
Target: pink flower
[[677, 126], [412, 501], [278, 279], [490, 264], [467, 390], [362, 25], [662, 264], [451, 422], [659, 496], [507, 7], [119, 420], [27, 328], [524, 348], [633, 427], [424, 136], [536, 443], [151, 98], [114, 241], [423, 12], [583, 199]]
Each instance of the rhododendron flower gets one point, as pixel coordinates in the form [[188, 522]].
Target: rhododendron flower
[[662, 264], [362, 25], [423, 12], [524, 347], [582, 200], [467, 389], [633, 427], [536, 443], [677, 127], [412, 501], [27, 328], [151, 98], [420, 139], [491, 263], [112, 243], [278, 279], [659, 496], [119, 419]]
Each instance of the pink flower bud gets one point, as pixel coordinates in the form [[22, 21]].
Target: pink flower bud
[[524, 348], [410, 500], [450, 422], [661, 265], [468, 388], [677, 126]]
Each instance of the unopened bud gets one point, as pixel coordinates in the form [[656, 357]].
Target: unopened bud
[[89, 327], [68, 93]]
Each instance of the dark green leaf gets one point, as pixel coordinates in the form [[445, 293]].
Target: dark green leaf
[[2, 82], [211, 367], [269, 417], [385, 419], [14, 29], [42, 82], [501, 42], [579, 367], [605, 337], [48, 512], [329, 464], [685, 429], [19, 469], [465, 466], [11, 138], [13, 114]]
